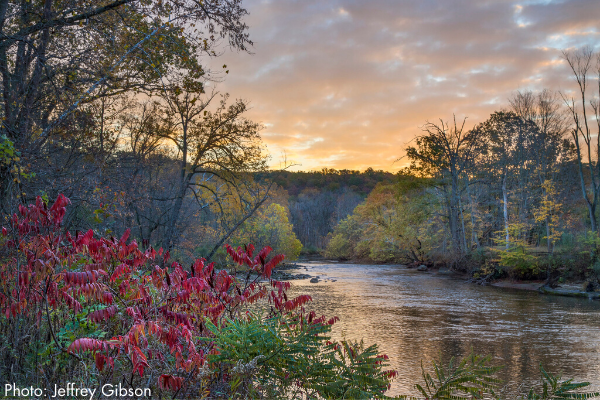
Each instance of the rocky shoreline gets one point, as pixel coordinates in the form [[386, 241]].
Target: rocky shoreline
[[280, 272]]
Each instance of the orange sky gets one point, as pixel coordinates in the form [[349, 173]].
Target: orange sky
[[347, 84]]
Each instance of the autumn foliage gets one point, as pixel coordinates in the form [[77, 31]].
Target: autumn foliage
[[134, 314]]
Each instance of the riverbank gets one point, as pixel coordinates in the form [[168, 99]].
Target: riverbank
[[565, 289], [570, 289]]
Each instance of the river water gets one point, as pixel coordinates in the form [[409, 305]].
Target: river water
[[416, 316]]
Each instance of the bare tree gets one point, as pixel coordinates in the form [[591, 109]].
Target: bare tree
[[582, 63]]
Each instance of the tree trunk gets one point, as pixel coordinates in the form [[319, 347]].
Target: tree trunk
[[453, 218], [505, 209], [550, 247], [462, 220], [592, 209], [474, 238]]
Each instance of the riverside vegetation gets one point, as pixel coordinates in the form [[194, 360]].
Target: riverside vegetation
[[108, 107], [515, 196], [94, 311]]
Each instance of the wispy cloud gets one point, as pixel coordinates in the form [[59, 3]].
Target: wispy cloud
[[347, 84]]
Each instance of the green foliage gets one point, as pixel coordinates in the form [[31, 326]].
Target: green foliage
[[339, 247], [310, 250], [470, 378], [513, 254], [521, 264], [589, 243], [394, 224], [7, 150], [270, 227], [554, 388], [344, 240], [270, 353], [282, 357], [10, 159], [355, 372]]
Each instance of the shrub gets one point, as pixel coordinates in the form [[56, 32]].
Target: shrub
[[282, 357], [97, 310], [339, 248], [521, 264], [473, 378], [270, 227], [469, 378]]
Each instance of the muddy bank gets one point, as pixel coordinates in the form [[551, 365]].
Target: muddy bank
[[564, 289]]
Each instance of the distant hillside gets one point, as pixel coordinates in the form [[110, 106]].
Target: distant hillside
[[318, 200], [361, 183]]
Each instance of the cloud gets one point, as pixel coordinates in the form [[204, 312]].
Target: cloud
[[347, 84]]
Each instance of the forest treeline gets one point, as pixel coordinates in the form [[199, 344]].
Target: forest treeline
[[514, 195], [318, 200]]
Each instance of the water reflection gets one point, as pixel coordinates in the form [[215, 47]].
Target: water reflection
[[415, 316]]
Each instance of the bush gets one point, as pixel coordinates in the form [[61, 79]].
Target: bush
[[339, 248], [270, 227], [521, 265], [281, 357], [93, 311]]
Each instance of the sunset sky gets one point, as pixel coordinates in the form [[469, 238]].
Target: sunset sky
[[348, 84]]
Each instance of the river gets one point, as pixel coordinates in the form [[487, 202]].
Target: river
[[416, 316]]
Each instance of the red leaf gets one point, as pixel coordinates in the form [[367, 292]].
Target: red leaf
[[170, 382], [125, 237], [86, 344], [102, 315], [100, 360]]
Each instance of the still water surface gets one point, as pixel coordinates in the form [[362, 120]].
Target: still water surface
[[416, 316]]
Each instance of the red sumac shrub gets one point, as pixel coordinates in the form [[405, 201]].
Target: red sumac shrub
[[142, 312]]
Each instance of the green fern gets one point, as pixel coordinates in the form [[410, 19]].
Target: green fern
[[282, 357], [555, 388], [471, 378]]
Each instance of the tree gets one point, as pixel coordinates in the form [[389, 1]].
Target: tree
[[509, 156], [548, 212], [56, 58], [551, 147], [270, 226], [392, 225], [582, 62], [217, 145], [446, 152]]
